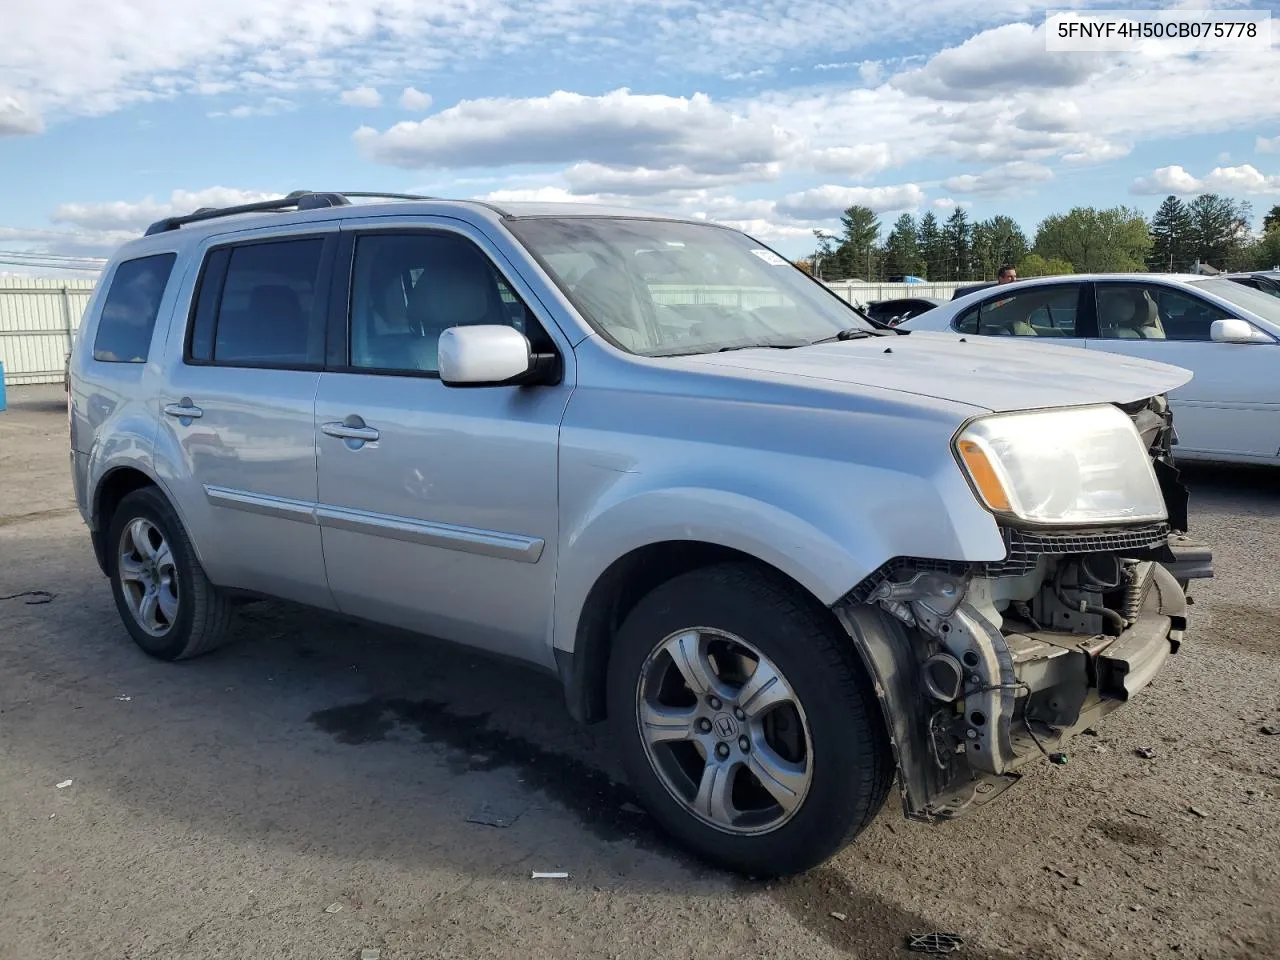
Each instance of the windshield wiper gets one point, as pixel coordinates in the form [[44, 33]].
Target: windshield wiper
[[851, 333], [765, 345]]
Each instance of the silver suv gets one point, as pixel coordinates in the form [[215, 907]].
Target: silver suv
[[791, 555]]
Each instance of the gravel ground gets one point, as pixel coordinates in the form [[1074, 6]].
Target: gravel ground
[[307, 792]]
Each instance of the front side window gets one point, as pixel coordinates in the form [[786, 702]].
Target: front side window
[[1265, 302], [1037, 311], [662, 288], [407, 289], [1152, 311], [258, 305], [130, 308]]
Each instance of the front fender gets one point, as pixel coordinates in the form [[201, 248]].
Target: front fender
[[826, 543]]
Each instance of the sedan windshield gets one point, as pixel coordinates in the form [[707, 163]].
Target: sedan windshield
[[663, 288], [1256, 302]]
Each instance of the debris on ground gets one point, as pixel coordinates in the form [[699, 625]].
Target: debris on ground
[[842, 917], [1270, 729], [934, 942], [33, 597], [1146, 753], [124, 699], [550, 875], [333, 908], [64, 784], [1137, 813], [498, 813], [1197, 811], [370, 953]]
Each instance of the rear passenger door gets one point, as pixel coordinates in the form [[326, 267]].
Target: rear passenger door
[[438, 505], [237, 436]]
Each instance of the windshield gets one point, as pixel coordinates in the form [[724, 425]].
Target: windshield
[[1256, 302], [662, 288]]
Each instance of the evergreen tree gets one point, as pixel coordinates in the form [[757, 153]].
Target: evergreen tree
[[1172, 237], [902, 249], [957, 233], [857, 252], [932, 247], [997, 241], [1220, 229]]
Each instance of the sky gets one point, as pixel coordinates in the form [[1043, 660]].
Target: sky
[[770, 116]]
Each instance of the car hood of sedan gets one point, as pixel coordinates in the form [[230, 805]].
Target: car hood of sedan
[[991, 374]]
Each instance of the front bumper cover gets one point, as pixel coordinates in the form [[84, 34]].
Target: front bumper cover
[[1021, 696]]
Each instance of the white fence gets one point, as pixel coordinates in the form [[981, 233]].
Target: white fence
[[39, 317], [859, 292]]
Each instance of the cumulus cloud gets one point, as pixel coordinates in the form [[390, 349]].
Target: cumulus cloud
[[826, 202], [1054, 116], [16, 119], [1008, 60], [1005, 178], [617, 129], [1175, 179], [413, 99], [860, 160], [269, 107], [360, 97], [120, 215], [643, 181]]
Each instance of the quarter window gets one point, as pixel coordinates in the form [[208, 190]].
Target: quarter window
[[130, 309], [259, 305], [1040, 311], [407, 289]]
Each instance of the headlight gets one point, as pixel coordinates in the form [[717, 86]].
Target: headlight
[[1082, 465]]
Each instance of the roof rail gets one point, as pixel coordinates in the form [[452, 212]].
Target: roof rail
[[297, 200]]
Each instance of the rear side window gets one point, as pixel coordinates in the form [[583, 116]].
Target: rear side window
[[260, 304], [130, 309]]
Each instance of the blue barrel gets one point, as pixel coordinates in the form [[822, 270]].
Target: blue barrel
[[2, 400]]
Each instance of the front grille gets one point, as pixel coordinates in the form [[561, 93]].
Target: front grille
[[1025, 547]]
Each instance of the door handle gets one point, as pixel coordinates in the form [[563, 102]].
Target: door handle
[[352, 428], [185, 410]]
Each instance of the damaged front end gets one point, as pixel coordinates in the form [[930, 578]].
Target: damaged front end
[[982, 668]]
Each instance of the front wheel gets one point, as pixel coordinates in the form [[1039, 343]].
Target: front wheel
[[746, 722]]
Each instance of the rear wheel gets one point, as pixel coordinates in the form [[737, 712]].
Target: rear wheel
[[746, 722], [167, 603]]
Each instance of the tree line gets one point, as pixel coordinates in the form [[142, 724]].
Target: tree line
[[1210, 229]]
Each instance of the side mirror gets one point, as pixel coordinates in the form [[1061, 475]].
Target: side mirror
[[1231, 330], [490, 356]]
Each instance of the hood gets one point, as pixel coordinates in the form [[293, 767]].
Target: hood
[[988, 373]]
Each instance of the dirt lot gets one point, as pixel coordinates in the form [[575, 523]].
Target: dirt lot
[[223, 807]]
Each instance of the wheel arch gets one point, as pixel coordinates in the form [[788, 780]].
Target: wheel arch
[[615, 593], [115, 484]]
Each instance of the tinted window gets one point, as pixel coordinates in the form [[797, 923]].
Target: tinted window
[[129, 311], [1149, 311], [258, 305], [1040, 311], [407, 289]]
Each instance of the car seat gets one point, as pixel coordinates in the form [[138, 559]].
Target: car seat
[[1132, 315], [456, 289], [613, 302]]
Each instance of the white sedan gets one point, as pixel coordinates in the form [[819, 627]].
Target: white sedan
[[1226, 334]]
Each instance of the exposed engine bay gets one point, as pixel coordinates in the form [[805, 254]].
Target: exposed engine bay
[[982, 668]]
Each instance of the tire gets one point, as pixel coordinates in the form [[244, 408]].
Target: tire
[[199, 617], [847, 761]]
